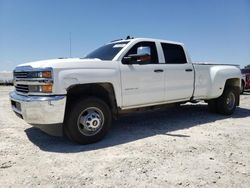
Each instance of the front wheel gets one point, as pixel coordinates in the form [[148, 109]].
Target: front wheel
[[87, 121]]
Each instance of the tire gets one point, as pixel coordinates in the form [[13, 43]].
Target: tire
[[226, 103], [87, 121], [212, 106], [242, 88]]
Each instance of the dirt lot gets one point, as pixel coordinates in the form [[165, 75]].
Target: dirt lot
[[180, 147]]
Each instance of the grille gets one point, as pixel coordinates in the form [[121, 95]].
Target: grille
[[20, 74], [22, 88]]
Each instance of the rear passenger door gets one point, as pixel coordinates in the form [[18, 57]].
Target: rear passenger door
[[179, 74]]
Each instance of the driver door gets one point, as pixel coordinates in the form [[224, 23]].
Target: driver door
[[142, 78]]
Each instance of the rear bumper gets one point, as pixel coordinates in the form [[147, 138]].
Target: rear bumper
[[39, 110]]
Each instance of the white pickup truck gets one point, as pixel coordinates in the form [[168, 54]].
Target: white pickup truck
[[83, 95]]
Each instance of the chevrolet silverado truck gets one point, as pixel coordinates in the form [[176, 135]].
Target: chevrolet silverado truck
[[84, 95]]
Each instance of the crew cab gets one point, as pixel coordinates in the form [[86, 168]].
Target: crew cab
[[85, 94]]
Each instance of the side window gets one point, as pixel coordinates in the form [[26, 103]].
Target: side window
[[173, 53], [152, 52]]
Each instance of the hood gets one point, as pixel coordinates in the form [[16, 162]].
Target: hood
[[64, 63]]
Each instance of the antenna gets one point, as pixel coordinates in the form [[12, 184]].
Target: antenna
[[69, 44]]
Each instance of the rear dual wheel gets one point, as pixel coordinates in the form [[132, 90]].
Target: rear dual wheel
[[212, 106], [226, 103]]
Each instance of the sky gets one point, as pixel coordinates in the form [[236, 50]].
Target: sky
[[214, 31]]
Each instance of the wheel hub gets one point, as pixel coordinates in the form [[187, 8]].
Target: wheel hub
[[90, 121], [230, 101]]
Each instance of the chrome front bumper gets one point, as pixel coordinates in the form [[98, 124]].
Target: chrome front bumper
[[39, 110]]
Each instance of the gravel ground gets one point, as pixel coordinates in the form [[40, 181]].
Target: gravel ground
[[178, 147]]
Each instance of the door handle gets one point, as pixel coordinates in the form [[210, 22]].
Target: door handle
[[158, 70], [189, 70]]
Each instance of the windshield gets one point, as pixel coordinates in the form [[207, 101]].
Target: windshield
[[107, 52]]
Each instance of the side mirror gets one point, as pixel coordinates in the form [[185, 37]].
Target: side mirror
[[143, 50]]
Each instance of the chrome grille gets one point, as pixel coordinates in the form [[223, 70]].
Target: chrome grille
[[20, 74], [22, 88]]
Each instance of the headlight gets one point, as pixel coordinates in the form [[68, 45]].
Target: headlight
[[45, 74], [44, 88], [47, 88], [40, 74], [33, 81]]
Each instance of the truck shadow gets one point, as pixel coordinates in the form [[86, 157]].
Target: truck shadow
[[139, 126]]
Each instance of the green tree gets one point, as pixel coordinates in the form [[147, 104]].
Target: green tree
[[247, 67]]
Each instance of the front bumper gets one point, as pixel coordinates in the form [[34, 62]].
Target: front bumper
[[39, 110]]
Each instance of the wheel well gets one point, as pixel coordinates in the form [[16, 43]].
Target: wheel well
[[103, 91], [233, 82]]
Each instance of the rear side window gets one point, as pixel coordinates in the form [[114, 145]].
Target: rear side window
[[173, 53]]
